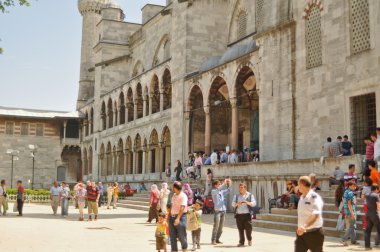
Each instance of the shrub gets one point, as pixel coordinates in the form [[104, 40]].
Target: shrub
[[30, 192]]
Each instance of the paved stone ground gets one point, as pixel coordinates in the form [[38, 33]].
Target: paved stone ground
[[119, 230]]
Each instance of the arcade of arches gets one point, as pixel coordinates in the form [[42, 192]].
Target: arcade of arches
[[224, 120], [138, 155]]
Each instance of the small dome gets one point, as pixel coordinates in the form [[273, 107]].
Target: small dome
[[112, 4]]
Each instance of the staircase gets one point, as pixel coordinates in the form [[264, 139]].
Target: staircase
[[286, 220], [140, 201]]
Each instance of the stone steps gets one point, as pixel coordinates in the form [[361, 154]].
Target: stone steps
[[135, 202], [132, 206]]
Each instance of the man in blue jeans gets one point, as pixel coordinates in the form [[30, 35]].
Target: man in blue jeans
[[218, 196], [177, 218], [350, 211]]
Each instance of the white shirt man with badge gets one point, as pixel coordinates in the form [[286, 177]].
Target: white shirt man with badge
[[310, 234]]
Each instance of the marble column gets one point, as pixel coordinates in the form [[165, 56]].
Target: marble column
[[64, 131], [150, 103], [125, 164], [162, 159], [118, 116], [135, 110], [161, 101], [235, 124], [207, 130], [144, 107]]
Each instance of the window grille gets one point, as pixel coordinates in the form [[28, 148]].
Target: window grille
[[24, 129], [363, 120], [259, 12], [242, 25], [360, 35], [39, 129], [9, 127], [313, 38]]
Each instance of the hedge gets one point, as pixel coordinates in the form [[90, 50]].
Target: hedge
[[47, 192]]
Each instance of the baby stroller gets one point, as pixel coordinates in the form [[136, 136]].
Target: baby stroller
[[208, 207]]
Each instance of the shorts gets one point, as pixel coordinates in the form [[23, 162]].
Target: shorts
[[160, 243], [92, 207]]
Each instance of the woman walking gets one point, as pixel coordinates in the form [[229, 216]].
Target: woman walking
[[164, 195], [64, 195], [178, 170], [189, 193], [115, 194], [153, 202]]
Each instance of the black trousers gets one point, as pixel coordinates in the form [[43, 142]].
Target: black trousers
[[20, 205], [372, 221], [312, 240], [244, 224]]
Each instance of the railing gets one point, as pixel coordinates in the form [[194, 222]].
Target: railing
[[45, 198]]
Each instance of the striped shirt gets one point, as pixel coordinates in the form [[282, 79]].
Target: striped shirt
[[92, 194], [369, 151]]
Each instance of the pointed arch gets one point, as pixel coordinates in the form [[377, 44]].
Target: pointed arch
[[139, 101], [197, 120], [103, 116], [162, 51], [167, 89], [154, 150], [122, 108], [155, 94], [137, 69], [110, 113], [130, 105], [92, 120]]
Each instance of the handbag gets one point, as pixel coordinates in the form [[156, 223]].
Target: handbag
[[192, 221], [341, 223], [15, 207]]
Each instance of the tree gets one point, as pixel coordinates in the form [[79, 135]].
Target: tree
[[7, 3]]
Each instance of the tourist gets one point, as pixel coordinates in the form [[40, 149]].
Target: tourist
[[189, 193], [256, 156], [3, 198], [372, 215], [218, 195], [115, 194], [204, 158], [339, 195], [366, 190], [369, 152], [208, 182], [153, 203], [160, 233], [80, 196], [198, 164], [20, 197], [88, 184], [243, 203], [101, 193], [142, 187], [315, 185], [177, 218], [374, 174], [310, 234], [336, 149], [223, 157], [198, 195], [283, 200], [168, 173], [207, 160], [350, 175], [350, 213], [92, 201], [65, 197], [214, 157], [376, 155], [55, 191], [178, 171], [337, 176], [347, 147], [191, 159], [233, 159], [294, 197], [326, 147], [194, 215], [190, 172], [75, 189], [110, 189], [163, 197]]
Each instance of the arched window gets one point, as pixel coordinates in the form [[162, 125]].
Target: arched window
[[167, 50], [242, 25], [313, 37], [360, 35]]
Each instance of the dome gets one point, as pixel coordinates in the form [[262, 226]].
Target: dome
[[112, 4]]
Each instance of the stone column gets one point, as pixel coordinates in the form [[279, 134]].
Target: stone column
[[64, 131], [118, 116], [84, 128], [149, 163], [144, 107], [207, 130], [162, 158], [135, 110], [134, 162], [187, 131], [125, 164], [144, 160], [235, 122], [150, 103], [161, 101], [114, 119], [126, 114]]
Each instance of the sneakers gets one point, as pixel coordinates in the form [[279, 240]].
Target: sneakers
[[198, 246], [194, 249], [240, 245], [213, 242], [344, 243], [219, 242]]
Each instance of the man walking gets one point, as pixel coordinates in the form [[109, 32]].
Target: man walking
[[218, 195], [349, 201], [65, 196], [372, 216], [3, 198], [101, 192], [243, 202], [20, 197], [55, 191], [310, 234], [177, 218], [92, 201]]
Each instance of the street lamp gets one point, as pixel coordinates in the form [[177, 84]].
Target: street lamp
[[33, 149], [14, 156]]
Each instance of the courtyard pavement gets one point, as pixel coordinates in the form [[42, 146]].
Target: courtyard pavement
[[120, 230]]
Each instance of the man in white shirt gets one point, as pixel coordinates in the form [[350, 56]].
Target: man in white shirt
[[55, 191], [214, 157], [309, 232]]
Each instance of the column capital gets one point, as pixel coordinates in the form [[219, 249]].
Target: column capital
[[187, 115], [207, 109], [233, 102]]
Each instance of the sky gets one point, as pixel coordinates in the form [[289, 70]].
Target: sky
[[39, 67]]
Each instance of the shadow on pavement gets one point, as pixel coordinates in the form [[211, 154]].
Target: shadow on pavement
[[72, 216]]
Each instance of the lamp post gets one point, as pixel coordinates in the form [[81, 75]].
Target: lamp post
[[33, 150], [14, 156]]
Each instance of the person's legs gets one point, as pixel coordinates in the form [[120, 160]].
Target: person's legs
[[181, 229], [115, 201], [367, 233], [240, 227], [216, 226], [90, 210], [81, 214], [173, 234], [2, 199], [314, 240], [221, 224], [95, 209], [100, 200], [109, 198], [198, 236], [248, 227], [349, 229], [300, 245], [20, 206], [377, 225]]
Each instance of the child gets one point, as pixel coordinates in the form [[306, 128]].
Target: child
[[366, 191], [195, 227], [161, 232], [80, 196]]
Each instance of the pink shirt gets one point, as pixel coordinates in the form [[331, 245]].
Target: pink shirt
[[177, 202], [154, 196], [198, 161]]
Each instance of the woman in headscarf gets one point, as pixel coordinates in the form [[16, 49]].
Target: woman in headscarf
[[178, 170], [189, 193], [164, 195], [153, 202]]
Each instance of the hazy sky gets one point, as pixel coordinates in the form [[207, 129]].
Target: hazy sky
[[40, 64]]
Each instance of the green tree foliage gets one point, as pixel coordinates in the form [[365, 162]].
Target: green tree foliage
[[4, 4]]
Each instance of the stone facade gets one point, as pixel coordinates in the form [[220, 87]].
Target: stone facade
[[274, 76]]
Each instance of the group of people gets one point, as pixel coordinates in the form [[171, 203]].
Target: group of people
[[18, 206]]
